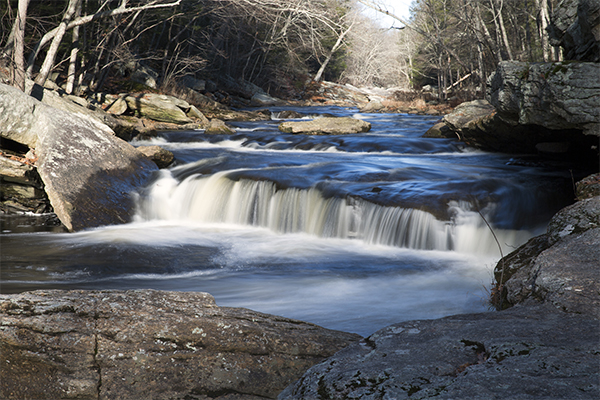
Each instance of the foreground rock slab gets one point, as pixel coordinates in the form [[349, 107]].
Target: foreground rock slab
[[326, 126], [527, 352], [147, 344]]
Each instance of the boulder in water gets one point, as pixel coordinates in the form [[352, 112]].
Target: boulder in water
[[218, 127], [159, 107], [161, 157], [326, 126]]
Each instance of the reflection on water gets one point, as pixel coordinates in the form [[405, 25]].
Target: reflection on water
[[351, 232]]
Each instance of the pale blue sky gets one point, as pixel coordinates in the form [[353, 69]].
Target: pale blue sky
[[397, 7]]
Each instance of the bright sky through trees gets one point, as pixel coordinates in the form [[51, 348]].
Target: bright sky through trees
[[397, 7]]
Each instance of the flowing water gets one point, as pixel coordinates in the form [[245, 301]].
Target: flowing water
[[352, 232]]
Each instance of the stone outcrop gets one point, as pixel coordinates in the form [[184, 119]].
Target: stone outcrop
[[21, 189], [148, 345], [561, 95], [562, 265], [551, 108], [326, 126], [576, 28], [524, 353], [478, 124], [88, 173], [548, 108]]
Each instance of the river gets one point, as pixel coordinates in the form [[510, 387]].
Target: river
[[351, 232]]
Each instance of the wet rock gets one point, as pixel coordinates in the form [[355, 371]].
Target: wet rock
[[147, 344], [439, 130], [289, 114], [326, 125], [161, 157], [523, 353]]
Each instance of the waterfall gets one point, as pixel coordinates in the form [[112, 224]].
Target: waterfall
[[219, 199]]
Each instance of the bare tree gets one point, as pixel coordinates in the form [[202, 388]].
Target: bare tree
[[55, 35], [19, 45]]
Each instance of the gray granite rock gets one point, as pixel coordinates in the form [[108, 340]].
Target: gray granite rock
[[147, 344], [533, 352], [88, 173], [562, 95], [575, 26]]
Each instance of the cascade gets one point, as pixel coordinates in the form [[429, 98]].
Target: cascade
[[219, 199]]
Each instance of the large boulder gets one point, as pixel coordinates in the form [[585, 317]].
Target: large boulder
[[88, 173], [562, 95], [575, 26], [147, 344], [326, 126], [159, 107], [523, 353], [564, 270]]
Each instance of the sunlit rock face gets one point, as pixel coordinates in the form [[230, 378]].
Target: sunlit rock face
[[88, 173]]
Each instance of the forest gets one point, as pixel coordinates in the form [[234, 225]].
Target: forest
[[279, 45]]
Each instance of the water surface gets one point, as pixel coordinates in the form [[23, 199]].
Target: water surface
[[351, 232]]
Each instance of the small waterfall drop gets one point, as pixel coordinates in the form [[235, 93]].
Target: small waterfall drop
[[219, 199]]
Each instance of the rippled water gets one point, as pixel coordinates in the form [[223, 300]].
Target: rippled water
[[351, 232]]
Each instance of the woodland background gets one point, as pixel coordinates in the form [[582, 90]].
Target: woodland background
[[280, 45]]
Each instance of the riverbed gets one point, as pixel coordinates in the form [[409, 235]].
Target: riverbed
[[351, 232]]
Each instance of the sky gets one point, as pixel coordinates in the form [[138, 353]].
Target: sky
[[397, 7]]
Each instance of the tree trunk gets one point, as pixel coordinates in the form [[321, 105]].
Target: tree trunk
[[503, 31], [73, 59], [48, 63], [543, 21], [19, 47], [336, 46], [492, 44]]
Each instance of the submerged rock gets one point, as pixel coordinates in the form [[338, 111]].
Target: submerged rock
[[326, 125], [147, 344]]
